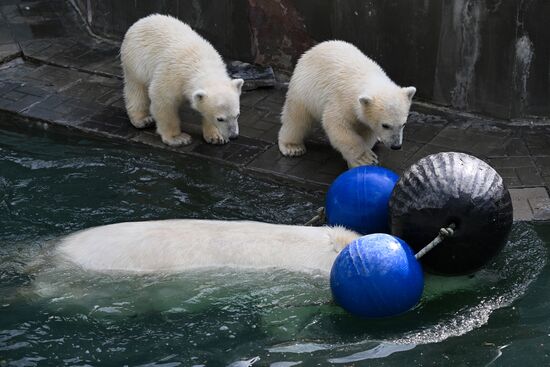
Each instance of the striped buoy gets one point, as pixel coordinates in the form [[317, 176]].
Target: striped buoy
[[452, 188]]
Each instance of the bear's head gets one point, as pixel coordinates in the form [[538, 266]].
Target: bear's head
[[219, 104], [385, 112]]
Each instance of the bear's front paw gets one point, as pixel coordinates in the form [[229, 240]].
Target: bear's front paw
[[142, 122], [292, 150], [213, 136], [367, 158], [174, 141]]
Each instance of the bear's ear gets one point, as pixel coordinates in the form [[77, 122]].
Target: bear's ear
[[198, 96], [238, 83], [409, 92], [365, 100]]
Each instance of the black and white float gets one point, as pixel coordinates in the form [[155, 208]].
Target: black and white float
[[456, 189]]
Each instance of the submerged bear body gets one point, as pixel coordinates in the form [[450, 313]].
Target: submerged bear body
[[180, 245]]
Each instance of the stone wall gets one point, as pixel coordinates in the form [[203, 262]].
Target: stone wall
[[484, 56]]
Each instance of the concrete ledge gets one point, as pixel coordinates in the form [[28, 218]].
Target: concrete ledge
[[531, 204]]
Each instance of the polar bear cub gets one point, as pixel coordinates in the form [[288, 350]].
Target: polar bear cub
[[353, 98], [164, 63], [186, 244]]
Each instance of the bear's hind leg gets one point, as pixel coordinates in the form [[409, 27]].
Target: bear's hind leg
[[296, 124], [137, 103]]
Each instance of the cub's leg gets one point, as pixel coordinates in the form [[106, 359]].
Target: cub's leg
[[137, 102], [368, 135], [164, 109], [297, 123], [211, 134], [345, 139]]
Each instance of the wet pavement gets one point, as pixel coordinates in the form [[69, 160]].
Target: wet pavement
[[52, 70]]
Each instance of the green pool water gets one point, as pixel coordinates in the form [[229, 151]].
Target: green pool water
[[52, 185]]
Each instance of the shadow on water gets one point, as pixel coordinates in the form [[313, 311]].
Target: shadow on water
[[51, 313]]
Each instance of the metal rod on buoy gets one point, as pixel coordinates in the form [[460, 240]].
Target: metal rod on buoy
[[444, 232], [317, 219]]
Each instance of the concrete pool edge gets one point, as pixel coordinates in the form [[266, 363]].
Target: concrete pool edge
[[15, 122], [531, 204]]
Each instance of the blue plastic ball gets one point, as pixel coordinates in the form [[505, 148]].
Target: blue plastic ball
[[358, 199], [376, 276]]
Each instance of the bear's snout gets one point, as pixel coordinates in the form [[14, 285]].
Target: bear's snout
[[234, 132], [396, 147]]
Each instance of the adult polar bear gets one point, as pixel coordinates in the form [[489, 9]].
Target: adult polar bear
[[187, 244], [164, 62], [356, 102]]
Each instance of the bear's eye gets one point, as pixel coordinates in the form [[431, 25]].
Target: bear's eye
[[220, 119], [237, 117], [386, 126]]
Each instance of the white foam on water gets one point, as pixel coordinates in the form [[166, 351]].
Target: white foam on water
[[517, 267], [382, 350]]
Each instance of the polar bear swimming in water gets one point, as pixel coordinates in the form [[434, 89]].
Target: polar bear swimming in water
[[185, 244], [116, 262]]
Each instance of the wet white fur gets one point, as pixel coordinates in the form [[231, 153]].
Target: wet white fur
[[164, 63], [352, 97], [179, 245]]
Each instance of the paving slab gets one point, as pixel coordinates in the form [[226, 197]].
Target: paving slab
[[531, 204]]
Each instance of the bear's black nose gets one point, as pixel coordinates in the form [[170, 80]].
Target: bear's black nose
[[396, 147]]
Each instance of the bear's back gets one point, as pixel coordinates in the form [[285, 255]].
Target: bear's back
[[162, 29], [338, 59], [160, 39], [178, 245], [333, 70]]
